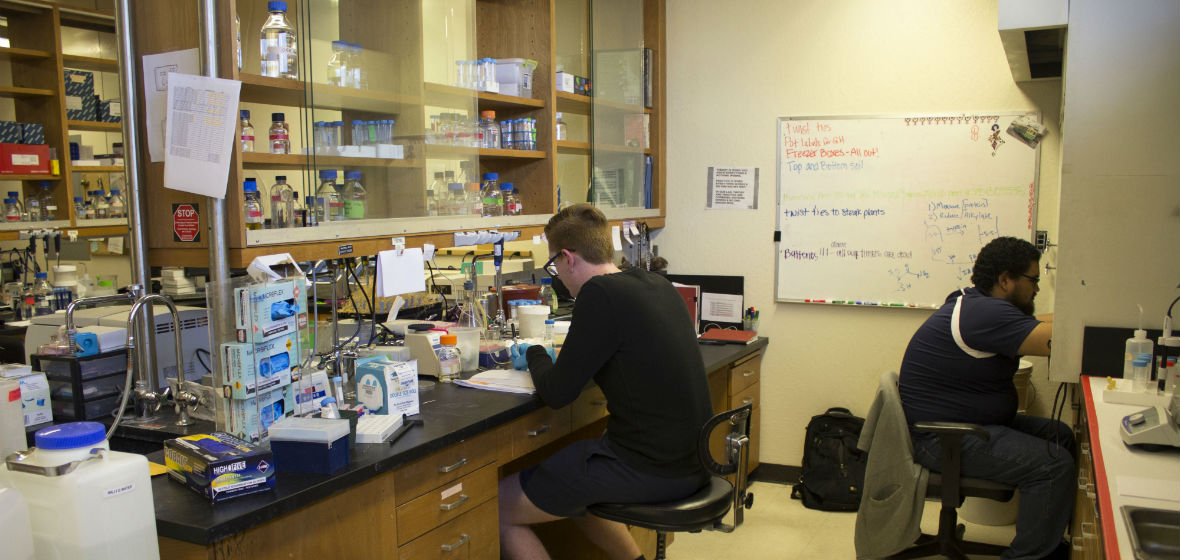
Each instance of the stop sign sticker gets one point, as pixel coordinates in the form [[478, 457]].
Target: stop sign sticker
[[186, 223]]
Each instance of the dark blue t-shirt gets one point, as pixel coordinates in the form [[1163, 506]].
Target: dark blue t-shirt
[[939, 381]]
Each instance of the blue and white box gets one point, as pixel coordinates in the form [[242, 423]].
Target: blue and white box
[[80, 102], [310, 445], [32, 133], [310, 388], [10, 132], [110, 110], [254, 368], [266, 311], [386, 387], [219, 466], [250, 418]]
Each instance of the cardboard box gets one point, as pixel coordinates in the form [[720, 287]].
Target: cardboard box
[[310, 388], [266, 311], [24, 159], [80, 102], [386, 387], [34, 399], [254, 368], [564, 82], [109, 111], [10, 132], [249, 419], [219, 466], [32, 133]]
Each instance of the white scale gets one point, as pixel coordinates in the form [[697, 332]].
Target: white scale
[[1155, 426]]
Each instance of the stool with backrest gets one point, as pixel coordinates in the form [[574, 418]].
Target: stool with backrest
[[707, 508], [947, 485]]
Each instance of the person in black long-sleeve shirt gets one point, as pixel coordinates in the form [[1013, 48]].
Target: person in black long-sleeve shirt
[[632, 335]]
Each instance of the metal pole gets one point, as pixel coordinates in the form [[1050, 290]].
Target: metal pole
[[218, 232], [136, 204]]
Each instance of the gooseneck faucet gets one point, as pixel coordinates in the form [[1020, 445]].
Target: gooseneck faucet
[[145, 390]]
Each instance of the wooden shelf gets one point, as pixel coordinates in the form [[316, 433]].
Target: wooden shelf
[[583, 104], [499, 102], [272, 91], [29, 177], [11, 91], [493, 153], [90, 63], [255, 160], [336, 98], [462, 152], [96, 168], [95, 126], [450, 96], [570, 147], [13, 53], [96, 20]]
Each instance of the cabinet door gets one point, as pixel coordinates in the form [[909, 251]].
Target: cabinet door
[[745, 373]]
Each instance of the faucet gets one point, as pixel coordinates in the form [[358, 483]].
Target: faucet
[[150, 399], [72, 330]]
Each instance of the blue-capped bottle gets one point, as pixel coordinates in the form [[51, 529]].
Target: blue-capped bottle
[[331, 208], [253, 204], [279, 47], [338, 72], [493, 200]]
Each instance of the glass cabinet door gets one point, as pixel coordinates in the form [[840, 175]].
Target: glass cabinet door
[[620, 168]]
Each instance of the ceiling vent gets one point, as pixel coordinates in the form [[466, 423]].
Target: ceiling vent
[[1033, 33]]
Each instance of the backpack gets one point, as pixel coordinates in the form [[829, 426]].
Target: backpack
[[833, 470]]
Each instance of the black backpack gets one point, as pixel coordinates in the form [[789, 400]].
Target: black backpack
[[833, 471]]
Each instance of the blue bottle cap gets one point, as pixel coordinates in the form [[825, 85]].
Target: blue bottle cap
[[355, 46], [1141, 361], [354, 123], [506, 186], [280, 178], [276, 6], [115, 192], [40, 275], [550, 322], [310, 200], [339, 44], [546, 280], [337, 379], [353, 174], [77, 199], [318, 123], [276, 117], [10, 201], [44, 183], [491, 176], [250, 185], [327, 174], [338, 123], [245, 113], [327, 401], [13, 194], [70, 436]]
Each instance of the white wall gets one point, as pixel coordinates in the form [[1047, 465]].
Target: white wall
[[1120, 223], [733, 69]]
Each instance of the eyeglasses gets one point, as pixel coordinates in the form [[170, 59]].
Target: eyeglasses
[[550, 267], [1036, 280]]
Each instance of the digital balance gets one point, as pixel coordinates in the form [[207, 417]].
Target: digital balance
[[1156, 426]]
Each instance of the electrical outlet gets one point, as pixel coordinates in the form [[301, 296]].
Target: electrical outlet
[[1042, 240]]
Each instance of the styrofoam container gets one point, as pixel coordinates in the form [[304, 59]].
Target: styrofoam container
[[515, 76], [62, 509], [310, 445]]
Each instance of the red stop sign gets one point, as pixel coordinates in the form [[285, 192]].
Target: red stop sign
[[185, 222]]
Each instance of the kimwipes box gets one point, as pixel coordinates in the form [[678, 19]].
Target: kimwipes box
[[219, 466], [24, 159]]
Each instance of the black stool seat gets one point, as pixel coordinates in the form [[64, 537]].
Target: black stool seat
[[971, 487], [695, 513]]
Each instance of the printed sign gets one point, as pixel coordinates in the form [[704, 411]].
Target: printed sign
[[186, 223]]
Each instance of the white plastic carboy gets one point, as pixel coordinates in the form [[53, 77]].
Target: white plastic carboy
[[85, 501]]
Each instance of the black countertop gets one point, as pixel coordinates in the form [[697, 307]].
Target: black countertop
[[450, 414]]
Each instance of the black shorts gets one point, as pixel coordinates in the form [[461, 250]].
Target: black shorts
[[588, 472]]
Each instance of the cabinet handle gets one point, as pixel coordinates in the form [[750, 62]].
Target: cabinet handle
[[747, 373], [462, 461], [448, 507], [747, 400], [463, 538], [544, 428]]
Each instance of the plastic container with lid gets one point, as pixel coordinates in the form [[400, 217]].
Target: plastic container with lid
[[450, 361], [548, 295], [1141, 373], [310, 445], [65, 484], [15, 530]]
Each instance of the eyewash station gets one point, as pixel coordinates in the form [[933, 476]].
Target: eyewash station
[[371, 396]]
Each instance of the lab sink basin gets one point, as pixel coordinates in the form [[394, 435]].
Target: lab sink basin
[[1155, 533]]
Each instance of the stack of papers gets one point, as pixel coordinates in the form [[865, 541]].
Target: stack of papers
[[503, 380]]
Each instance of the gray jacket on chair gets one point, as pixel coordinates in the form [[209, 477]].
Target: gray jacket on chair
[[890, 513]]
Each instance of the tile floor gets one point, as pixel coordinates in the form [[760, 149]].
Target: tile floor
[[780, 528]]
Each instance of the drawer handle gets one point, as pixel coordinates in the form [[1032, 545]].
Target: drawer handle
[[747, 373], [544, 428], [462, 461], [462, 541], [747, 400], [448, 507], [598, 403]]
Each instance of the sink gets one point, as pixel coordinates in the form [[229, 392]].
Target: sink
[[1155, 533]]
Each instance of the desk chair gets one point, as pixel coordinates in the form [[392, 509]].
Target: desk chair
[[951, 488], [705, 510]]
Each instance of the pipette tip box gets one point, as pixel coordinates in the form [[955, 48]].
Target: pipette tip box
[[310, 445]]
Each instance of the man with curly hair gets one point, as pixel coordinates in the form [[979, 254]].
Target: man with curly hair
[[959, 367]]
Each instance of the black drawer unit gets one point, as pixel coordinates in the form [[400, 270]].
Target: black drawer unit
[[85, 388]]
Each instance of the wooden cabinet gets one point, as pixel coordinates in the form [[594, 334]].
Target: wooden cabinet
[[43, 39], [1085, 529], [734, 386], [410, 50], [537, 429], [445, 503], [589, 406], [473, 535]]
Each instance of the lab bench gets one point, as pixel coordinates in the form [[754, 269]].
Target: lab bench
[[432, 493], [1112, 475]]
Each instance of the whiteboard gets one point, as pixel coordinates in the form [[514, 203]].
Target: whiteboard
[[891, 210]]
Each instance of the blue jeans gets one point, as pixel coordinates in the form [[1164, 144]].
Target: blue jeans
[[1033, 454]]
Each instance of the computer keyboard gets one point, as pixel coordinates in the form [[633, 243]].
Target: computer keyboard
[[376, 428]]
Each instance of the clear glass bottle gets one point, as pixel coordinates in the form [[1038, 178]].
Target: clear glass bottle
[[511, 200], [280, 135], [102, 206], [15, 195], [339, 74], [48, 204], [282, 204], [253, 205], [41, 292], [474, 199], [247, 136], [298, 212], [80, 207], [493, 199], [118, 205], [329, 206], [11, 210], [356, 66], [311, 212], [89, 212], [548, 295], [457, 200], [489, 129], [279, 47], [449, 362], [561, 131], [32, 209], [354, 196], [434, 191]]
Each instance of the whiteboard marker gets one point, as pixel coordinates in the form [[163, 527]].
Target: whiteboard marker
[[897, 305], [839, 302]]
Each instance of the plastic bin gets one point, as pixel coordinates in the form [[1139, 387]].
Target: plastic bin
[[515, 76], [87, 410]]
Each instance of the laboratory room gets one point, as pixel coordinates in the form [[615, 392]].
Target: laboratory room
[[578, 279]]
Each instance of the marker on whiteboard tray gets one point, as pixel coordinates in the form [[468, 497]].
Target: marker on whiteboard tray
[[897, 305]]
